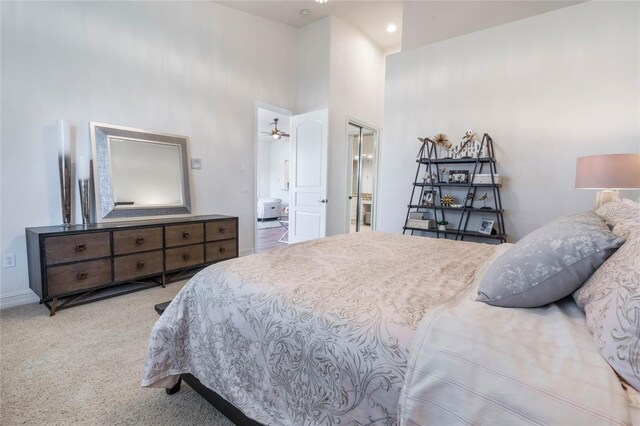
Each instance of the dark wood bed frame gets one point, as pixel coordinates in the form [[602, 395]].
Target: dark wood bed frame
[[219, 403]]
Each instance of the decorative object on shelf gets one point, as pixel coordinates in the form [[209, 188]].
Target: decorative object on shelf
[[470, 147], [446, 208], [63, 131], [420, 223], [458, 176], [442, 142], [482, 178], [430, 177], [484, 201], [447, 200], [609, 173], [427, 197], [423, 142], [486, 226], [442, 225]]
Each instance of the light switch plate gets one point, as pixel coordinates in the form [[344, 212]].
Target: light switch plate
[[196, 163], [244, 188]]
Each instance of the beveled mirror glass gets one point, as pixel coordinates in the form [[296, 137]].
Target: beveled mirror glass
[[139, 174]]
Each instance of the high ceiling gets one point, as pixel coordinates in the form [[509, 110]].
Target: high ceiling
[[430, 21], [371, 17]]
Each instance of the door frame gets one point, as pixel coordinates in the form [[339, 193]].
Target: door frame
[[256, 177], [376, 170]]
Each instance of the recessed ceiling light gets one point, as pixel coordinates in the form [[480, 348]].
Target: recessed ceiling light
[[391, 28], [321, 1]]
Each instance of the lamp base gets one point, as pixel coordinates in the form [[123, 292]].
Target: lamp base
[[605, 196]]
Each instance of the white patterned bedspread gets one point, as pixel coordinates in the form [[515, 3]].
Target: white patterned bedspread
[[472, 363], [313, 333]]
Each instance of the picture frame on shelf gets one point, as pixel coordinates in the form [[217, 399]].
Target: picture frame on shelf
[[486, 226], [458, 176], [428, 197]]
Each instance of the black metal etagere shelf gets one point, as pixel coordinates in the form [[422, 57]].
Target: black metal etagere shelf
[[428, 163]]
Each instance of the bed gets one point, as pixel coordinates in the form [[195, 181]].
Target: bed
[[380, 329]]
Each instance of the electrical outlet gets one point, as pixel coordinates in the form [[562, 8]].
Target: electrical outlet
[[9, 260], [196, 163]]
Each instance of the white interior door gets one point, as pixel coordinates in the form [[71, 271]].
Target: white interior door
[[308, 204]]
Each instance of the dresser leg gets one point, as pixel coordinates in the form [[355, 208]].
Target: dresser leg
[[41, 302], [54, 305], [164, 281]]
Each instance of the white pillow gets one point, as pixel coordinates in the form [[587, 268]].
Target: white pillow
[[611, 301]]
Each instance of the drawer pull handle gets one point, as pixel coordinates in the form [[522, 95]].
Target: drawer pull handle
[[82, 275], [81, 247], [140, 240], [222, 250], [140, 265], [185, 234], [222, 229], [186, 256]]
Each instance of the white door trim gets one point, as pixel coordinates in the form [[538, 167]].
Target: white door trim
[[376, 169], [256, 182]]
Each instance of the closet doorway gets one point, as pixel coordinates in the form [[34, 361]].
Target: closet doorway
[[362, 142]]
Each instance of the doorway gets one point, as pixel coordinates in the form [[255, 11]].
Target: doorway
[[273, 156], [362, 159]]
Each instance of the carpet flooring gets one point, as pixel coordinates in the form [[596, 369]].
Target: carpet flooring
[[83, 366]]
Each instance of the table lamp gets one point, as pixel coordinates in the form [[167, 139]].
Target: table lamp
[[609, 173]]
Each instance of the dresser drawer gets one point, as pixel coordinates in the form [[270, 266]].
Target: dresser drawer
[[178, 235], [72, 248], [220, 230], [138, 265], [135, 240], [221, 250], [78, 276], [182, 257]]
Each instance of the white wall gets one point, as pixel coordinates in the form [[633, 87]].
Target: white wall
[[191, 68], [314, 45], [280, 151], [356, 91], [264, 168], [548, 89]]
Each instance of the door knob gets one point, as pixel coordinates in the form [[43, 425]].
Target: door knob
[[324, 201]]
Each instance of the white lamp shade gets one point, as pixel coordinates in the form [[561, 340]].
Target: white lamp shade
[[611, 171]]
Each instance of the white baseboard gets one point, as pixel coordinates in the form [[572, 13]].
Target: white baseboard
[[246, 252], [18, 298]]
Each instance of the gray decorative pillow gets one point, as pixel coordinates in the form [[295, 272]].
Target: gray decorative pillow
[[611, 299], [549, 263]]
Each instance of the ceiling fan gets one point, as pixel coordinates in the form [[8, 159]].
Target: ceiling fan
[[275, 133]]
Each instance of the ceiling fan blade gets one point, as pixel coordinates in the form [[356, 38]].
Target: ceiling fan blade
[[267, 133], [284, 135]]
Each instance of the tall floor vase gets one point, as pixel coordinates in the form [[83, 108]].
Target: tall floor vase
[[64, 164]]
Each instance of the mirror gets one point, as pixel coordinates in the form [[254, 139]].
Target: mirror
[[139, 174]]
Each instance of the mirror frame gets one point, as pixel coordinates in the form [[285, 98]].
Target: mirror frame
[[105, 210]]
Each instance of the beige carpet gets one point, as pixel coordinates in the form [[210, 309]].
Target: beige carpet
[[83, 366]]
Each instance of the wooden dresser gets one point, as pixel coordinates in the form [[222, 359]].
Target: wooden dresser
[[74, 265]]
